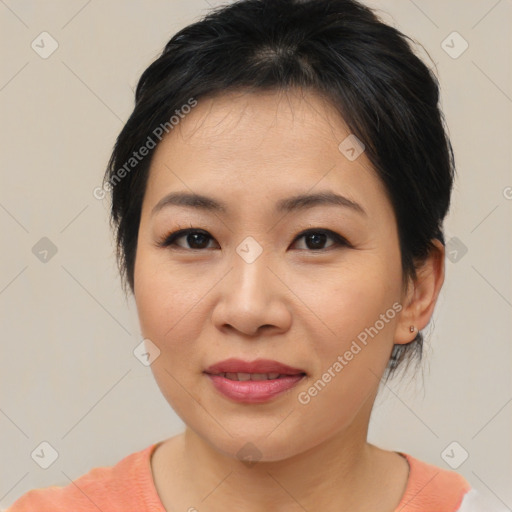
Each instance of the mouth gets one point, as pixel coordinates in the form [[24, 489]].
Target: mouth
[[259, 367], [253, 382], [243, 377]]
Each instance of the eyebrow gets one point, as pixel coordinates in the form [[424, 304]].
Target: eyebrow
[[294, 203]]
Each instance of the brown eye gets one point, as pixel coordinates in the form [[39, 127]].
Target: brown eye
[[197, 239], [315, 239], [194, 239]]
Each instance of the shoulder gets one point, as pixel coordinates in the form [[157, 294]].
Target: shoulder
[[126, 485], [433, 488]]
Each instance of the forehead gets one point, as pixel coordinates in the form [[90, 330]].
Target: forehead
[[254, 118], [260, 145]]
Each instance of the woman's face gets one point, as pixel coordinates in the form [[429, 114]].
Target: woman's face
[[247, 284]]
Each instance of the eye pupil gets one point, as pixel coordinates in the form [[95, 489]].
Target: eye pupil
[[197, 240], [318, 239]]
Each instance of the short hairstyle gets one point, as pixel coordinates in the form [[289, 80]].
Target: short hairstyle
[[338, 49]]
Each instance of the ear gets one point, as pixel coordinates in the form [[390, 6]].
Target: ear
[[420, 298]]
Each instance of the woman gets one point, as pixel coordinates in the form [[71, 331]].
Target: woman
[[278, 195]]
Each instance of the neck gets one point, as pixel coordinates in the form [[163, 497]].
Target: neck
[[325, 477]]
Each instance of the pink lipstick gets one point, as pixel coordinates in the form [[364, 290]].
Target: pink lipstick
[[253, 381]]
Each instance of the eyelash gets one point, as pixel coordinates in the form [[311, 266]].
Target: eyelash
[[170, 239]]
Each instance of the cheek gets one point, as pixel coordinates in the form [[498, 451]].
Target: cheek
[[359, 309], [173, 314], [151, 303], [355, 297], [161, 301], [165, 307], [349, 363]]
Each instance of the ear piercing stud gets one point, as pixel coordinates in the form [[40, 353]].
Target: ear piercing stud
[[412, 328]]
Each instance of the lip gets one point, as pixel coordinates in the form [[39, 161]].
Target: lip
[[257, 366], [253, 391]]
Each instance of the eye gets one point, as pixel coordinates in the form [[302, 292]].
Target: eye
[[316, 238], [198, 239]]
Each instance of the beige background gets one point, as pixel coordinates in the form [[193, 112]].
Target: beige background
[[68, 374]]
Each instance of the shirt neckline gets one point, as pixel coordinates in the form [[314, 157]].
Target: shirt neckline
[[151, 502]]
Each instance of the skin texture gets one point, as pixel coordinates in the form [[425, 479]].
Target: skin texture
[[298, 305]]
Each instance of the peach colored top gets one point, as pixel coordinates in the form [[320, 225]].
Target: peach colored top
[[128, 487]]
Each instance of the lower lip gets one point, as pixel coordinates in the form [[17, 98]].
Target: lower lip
[[254, 391]]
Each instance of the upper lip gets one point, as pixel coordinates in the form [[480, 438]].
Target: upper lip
[[257, 366]]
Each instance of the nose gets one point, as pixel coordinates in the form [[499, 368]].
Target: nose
[[252, 299]]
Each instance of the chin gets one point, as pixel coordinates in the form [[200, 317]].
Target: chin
[[251, 445]]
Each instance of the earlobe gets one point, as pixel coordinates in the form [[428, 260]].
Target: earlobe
[[421, 295]]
